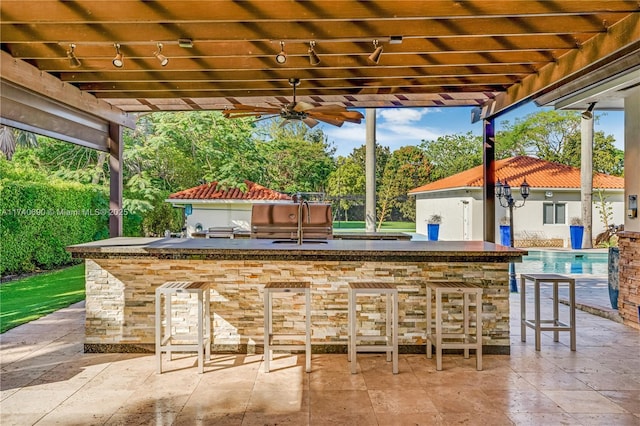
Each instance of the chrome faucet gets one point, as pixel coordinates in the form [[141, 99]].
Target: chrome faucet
[[301, 205]]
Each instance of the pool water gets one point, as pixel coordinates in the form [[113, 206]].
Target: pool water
[[569, 262]]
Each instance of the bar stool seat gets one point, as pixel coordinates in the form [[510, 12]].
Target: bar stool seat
[[168, 340], [390, 338], [554, 324], [269, 336], [459, 340]]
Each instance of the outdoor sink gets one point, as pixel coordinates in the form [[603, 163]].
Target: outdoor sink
[[296, 242]]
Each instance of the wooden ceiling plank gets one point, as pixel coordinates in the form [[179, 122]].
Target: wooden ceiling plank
[[322, 30], [180, 11], [27, 76], [625, 35], [257, 63], [524, 43]]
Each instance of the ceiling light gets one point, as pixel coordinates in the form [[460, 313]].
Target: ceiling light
[[587, 114], [281, 57], [118, 61], [395, 40], [74, 62], [161, 58], [375, 56], [185, 42], [313, 56]]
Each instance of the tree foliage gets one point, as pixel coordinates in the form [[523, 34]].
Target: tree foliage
[[451, 154], [555, 136], [407, 168]]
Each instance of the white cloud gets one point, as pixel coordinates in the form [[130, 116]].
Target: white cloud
[[402, 115]]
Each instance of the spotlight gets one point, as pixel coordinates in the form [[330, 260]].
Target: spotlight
[[118, 61], [375, 56], [313, 56], [587, 114], [74, 62], [161, 58], [281, 57]]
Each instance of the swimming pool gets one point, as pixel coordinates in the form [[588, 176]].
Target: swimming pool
[[563, 262]]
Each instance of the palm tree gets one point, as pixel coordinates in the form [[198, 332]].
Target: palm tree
[[10, 138]]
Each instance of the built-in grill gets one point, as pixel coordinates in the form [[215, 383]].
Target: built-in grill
[[280, 221]]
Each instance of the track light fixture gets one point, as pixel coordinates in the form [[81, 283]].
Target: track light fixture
[[161, 58], [375, 56], [118, 61], [313, 56], [281, 57], [587, 114], [74, 62]]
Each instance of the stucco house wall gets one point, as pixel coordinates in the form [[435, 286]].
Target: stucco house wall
[[528, 220]]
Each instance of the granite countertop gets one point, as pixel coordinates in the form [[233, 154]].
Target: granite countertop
[[265, 249]]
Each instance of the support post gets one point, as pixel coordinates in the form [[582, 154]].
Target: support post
[[370, 170], [586, 179], [513, 284], [115, 180], [489, 179]]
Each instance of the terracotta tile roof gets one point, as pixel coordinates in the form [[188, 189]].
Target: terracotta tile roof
[[539, 174], [213, 191]]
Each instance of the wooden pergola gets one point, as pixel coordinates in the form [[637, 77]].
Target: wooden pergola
[[58, 77]]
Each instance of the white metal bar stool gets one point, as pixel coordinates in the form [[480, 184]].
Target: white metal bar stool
[[270, 336], [554, 324], [391, 323], [170, 341], [459, 340]]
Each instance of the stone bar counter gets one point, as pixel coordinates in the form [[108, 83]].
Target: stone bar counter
[[123, 273]]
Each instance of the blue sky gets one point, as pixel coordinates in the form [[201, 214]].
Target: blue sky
[[396, 127]]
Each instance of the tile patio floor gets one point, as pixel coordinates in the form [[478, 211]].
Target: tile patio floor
[[46, 379]]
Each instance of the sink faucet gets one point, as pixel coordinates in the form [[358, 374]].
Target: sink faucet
[[301, 205]]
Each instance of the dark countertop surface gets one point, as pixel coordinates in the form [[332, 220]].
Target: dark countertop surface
[[265, 249]]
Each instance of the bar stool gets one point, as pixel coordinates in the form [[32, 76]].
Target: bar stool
[[390, 338], [170, 341], [270, 336], [555, 324], [461, 340]]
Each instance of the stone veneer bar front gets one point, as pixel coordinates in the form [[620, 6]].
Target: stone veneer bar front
[[123, 273]]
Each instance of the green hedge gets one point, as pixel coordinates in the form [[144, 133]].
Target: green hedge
[[39, 219]]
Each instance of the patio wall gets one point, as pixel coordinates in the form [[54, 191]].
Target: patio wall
[[120, 307], [629, 292]]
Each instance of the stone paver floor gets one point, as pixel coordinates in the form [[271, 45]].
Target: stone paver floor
[[46, 379]]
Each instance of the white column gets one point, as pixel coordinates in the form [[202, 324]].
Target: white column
[[631, 154], [586, 178], [370, 170]]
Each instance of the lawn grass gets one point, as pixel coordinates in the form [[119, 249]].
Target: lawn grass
[[386, 226], [30, 298]]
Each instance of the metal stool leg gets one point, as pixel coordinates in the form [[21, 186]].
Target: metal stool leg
[[308, 331], [267, 329]]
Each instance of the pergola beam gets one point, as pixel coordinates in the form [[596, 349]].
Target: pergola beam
[[621, 39], [46, 85]]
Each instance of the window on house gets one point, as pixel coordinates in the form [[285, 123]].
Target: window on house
[[554, 213]]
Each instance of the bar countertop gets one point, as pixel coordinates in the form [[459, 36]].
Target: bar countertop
[[266, 249]]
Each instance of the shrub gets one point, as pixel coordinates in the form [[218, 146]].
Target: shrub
[[40, 218]]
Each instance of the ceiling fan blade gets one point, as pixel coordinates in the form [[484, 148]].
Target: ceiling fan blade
[[311, 122], [329, 119], [302, 106], [330, 108], [244, 108], [246, 114]]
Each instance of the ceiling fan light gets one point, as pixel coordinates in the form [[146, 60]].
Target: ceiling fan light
[[314, 59], [118, 61], [375, 56], [74, 62], [281, 57], [161, 58]]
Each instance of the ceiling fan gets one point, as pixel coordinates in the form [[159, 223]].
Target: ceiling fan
[[335, 115]]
